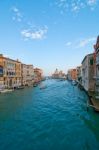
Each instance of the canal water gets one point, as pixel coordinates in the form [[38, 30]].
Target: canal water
[[54, 118]]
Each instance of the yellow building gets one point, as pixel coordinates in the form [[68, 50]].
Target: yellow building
[[10, 72]]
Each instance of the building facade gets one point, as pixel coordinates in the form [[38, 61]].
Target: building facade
[[27, 75], [59, 74], [79, 74], [10, 73], [69, 74], [88, 81], [72, 74], [96, 57], [55, 74], [62, 75], [38, 74]]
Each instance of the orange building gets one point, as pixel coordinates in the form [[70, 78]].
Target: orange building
[[38, 73], [10, 72], [72, 74]]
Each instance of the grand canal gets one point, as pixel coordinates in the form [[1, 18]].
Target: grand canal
[[54, 118]]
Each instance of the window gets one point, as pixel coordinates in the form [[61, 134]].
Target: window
[[91, 61]]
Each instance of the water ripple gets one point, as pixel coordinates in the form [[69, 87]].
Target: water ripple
[[49, 119]]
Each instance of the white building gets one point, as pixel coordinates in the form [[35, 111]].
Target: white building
[[88, 81]]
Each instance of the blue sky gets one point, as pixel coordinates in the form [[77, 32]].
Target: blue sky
[[49, 34]]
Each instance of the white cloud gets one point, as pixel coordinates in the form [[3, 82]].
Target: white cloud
[[68, 44], [17, 16], [32, 31], [91, 2], [85, 42], [75, 8], [81, 43], [36, 34], [75, 5], [15, 9]]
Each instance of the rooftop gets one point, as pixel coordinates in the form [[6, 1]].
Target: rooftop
[[87, 56]]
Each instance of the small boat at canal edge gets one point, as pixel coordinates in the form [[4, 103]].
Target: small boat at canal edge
[[43, 87], [74, 82], [20, 87], [6, 90]]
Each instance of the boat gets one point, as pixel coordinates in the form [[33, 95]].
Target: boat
[[74, 82], [6, 90], [20, 87], [62, 79], [35, 85], [43, 87]]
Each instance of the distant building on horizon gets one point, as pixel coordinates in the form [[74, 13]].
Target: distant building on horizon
[[58, 74]]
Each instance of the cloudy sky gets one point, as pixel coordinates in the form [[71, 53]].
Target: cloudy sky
[[48, 33]]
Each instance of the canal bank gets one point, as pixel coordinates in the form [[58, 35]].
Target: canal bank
[[48, 119]]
